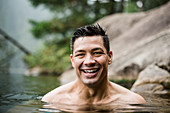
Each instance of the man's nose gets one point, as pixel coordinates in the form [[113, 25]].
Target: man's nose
[[89, 60]]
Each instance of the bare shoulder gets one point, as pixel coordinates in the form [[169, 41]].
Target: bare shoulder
[[57, 93], [134, 98], [128, 96]]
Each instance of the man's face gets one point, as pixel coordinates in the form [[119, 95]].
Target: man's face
[[90, 60]]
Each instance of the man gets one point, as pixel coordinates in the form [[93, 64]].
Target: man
[[90, 58]]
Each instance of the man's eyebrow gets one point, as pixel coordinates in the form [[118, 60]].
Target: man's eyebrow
[[79, 51], [98, 49]]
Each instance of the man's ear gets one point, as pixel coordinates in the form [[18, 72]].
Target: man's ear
[[110, 57], [71, 58]]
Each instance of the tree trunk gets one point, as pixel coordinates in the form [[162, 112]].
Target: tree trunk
[[13, 41]]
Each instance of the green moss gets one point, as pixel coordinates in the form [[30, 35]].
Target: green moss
[[124, 82]]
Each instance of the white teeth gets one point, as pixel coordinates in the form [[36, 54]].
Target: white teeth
[[90, 71]]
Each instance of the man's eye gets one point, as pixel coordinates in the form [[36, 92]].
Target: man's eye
[[98, 53], [79, 55]]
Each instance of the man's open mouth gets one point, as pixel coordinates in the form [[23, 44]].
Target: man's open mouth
[[90, 70], [90, 73]]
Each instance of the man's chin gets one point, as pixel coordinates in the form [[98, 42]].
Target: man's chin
[[90, 83]]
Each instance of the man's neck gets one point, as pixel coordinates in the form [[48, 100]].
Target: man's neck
[[93, 94]]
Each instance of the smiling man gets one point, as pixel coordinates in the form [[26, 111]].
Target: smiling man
[[90, 58]]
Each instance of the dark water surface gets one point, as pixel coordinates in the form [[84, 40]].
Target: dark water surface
[[22, 94]]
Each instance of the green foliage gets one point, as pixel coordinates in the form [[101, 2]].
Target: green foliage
[[150, 4], [142, 5], [132, 7], [53, 59], [69, 15]]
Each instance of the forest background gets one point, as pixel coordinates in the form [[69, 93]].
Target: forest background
[[68, 15]]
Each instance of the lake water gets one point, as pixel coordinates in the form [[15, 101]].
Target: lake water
[[22, 94]]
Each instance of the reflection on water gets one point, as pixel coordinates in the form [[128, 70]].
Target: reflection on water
[[22, 94], [21, 90]]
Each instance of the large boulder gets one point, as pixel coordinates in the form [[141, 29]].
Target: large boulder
[[154, 50], [137, 40], [153, 79]]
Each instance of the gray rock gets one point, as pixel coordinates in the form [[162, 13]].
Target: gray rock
[[152, 80], [135, 60]]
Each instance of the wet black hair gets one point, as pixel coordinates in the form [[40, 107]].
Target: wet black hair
[[90, 30]]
